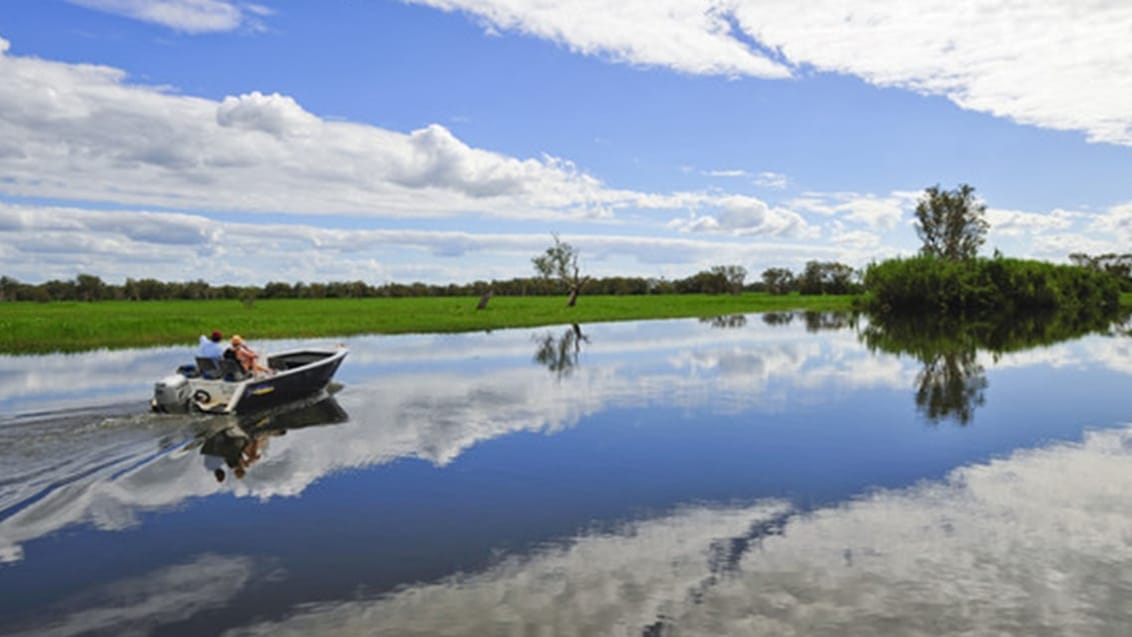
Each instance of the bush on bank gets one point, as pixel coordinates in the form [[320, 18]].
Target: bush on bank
[[975, 286]]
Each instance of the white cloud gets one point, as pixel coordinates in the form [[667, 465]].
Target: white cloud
[[1115, 223], [189, 16], [1058, 247], [726, 173], [82, 132], [1017, 223], [85, 133], [1060, 233], [41, 243], [688, 36], [743, 215], [60, 242], [274, 114], [1059, 64], [870, 210], [1056, 64], [769, 179], [856, 239]]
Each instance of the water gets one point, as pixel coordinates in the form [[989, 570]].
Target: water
[[767, 474]]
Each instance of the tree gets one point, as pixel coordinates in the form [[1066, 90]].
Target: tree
[[88, 287], [560, 261], [840, 278], [827, 278], [9, 288], [951, 223], [703, 282], [778, 280], [733, 276]]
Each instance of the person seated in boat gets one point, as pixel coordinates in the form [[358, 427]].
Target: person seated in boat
[[249, 359], [210, 346]]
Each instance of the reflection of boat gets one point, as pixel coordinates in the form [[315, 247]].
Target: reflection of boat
[[223, 388], [239, 440], [321, 409]]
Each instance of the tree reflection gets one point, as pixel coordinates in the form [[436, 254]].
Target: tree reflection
[[815, 321], [822, 321], [952, 383], [560, 354], [726, 321], [778, 318]]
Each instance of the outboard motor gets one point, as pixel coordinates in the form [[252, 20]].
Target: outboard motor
[[171, 394]]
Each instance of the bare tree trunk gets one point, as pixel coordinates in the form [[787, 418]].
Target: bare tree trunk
[[483, 300], [573, 297]]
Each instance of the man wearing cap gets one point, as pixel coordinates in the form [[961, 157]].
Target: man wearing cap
[[210, 346]]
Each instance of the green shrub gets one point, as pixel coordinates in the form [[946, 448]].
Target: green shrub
[[978, 286]]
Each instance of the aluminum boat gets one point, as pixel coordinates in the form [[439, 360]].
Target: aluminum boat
[[223, 387]]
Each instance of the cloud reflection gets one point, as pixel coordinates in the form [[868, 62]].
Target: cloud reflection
[[1035, 543], [141, 604]]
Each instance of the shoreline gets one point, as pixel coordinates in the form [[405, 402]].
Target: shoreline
[[41, 328]]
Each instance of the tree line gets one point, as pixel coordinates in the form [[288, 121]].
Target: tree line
[[816, 278]]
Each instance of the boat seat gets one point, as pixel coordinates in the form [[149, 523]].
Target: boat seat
[[209, 368], [232, 370]]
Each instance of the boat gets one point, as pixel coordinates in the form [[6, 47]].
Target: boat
[[223, 387]]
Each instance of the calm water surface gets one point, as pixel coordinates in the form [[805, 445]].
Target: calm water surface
[[757, 475]]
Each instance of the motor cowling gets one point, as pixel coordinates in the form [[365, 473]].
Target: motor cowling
[[171, 394]]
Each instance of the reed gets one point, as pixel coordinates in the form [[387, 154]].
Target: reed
[[27, 328]]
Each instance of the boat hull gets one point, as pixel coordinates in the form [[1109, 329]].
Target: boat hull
[[287, 386]]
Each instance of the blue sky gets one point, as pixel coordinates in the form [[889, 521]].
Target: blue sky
[[445, 140]]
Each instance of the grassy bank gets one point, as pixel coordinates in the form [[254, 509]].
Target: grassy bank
[[48, 327]]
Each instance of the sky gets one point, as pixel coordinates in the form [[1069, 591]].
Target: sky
[[449, 141]]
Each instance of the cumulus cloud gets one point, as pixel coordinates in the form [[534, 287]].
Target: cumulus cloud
[[1060, 64], [866, 209], [82, 132], [274, 114], [189, 16], [743, 215]]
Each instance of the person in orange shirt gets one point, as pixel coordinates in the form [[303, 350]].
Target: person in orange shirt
[[247, 356]]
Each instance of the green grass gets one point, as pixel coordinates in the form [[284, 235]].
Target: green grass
[[49, 327]]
